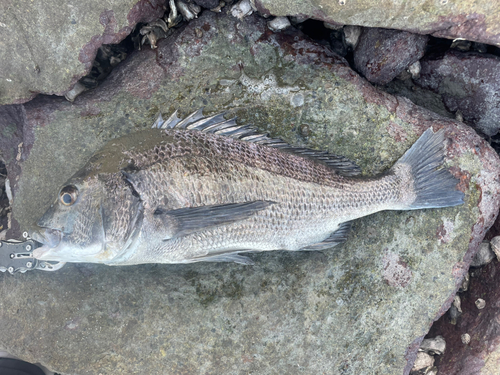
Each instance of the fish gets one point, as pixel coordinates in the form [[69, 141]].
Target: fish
[[207, 189]]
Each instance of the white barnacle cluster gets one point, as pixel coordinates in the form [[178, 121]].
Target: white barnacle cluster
[[245, 8], [178, 11]]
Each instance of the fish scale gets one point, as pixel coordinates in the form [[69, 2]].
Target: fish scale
[[207, 189]]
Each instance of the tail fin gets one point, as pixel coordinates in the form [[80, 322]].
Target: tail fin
[[434, 186]]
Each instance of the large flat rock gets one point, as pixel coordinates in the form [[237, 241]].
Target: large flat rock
[[360, 308], [472, 20], [48, 45]]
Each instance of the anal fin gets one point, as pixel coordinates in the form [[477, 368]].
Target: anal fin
[[227, 257], [337, 237]]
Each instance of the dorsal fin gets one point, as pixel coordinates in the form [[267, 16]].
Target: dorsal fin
[[217, 124]]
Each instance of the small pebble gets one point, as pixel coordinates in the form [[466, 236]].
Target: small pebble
[[455, 310], [433, 346], [480, 303], [465, 283], [352, 34], [423, 361], [242, 9], [483, 256], [465, 338], [279, 23], [495, 246], [414, 69], [74, 92]]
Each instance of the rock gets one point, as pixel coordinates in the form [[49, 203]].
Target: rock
[[334, 311], [465, 338], [381, 54], [242, 9], [468, 82], [352, 34], [53, 44], [443, 19], [433, 346], [414, 69], [455, 310], [279, 23], [495, 246], [208, 4], [423, 361], [480, 303], [483, 256]]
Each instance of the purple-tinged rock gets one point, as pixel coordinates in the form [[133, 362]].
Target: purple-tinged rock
[[469, 83], [382, 54], [473, 344], [208, 4]]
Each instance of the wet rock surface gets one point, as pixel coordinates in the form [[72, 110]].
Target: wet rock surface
[[381, 54], [334, 311], [468, 82], [52, 44]]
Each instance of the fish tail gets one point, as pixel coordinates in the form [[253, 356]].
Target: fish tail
[[433, 185]]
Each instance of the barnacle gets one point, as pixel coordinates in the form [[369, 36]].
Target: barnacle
[[153, 32], [159, 29]]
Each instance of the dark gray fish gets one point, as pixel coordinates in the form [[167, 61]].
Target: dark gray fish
[[206, 189]]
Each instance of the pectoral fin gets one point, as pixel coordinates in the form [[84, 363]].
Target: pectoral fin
[[183, 221]]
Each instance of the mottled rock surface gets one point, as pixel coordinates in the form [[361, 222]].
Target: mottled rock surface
[[468, 82], [51, 44], [363, 307], [473, 20], [382, 54]]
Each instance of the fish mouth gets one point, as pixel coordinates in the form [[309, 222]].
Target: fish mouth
[[47, 236]]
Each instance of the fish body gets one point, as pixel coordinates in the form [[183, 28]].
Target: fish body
[[206, 189]]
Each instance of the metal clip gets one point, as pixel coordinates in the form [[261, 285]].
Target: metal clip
[[17, 256]]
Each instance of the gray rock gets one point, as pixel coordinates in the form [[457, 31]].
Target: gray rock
[[52, 44], [483, 256], [495, 246], [381, 54], [279, 23], [362, 307], [208, 4], [434, 346], [443, 19], [423, 361], [469, 83]]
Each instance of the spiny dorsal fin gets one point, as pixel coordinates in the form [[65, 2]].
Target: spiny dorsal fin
[[217, 124]]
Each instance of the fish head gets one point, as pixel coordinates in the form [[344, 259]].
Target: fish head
[[72, 229]]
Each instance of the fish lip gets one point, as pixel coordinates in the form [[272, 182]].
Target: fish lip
[[39, 252], [49, 237]]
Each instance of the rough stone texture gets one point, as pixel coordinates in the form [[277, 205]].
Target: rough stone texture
[[51, 44], [382, 54], [481, 356], [209, 4], [468, 82], [469, 19], [361, 308]]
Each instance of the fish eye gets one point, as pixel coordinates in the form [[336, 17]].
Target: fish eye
[[68, 195]]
